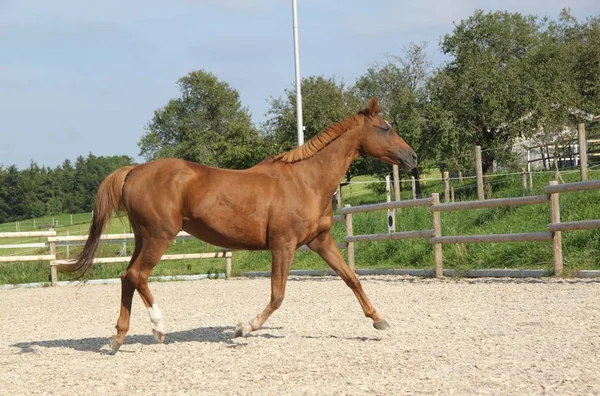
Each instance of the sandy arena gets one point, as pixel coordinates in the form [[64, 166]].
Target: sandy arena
[[487, 336]]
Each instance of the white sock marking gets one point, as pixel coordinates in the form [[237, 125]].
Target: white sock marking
[[156, 317]]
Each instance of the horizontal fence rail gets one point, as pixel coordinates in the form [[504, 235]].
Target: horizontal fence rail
[[577, 186], [104, 260], [387, 205], [522, 237], [574, 225], [22, 259], [24, 245], [490, 203], [389, 236], [27, 234]]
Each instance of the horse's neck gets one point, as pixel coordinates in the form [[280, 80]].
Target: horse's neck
[[326, 169]]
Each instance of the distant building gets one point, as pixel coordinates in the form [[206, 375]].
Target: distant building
[[538, 152]]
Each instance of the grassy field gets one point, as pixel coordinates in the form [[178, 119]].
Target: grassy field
[[580, 247]]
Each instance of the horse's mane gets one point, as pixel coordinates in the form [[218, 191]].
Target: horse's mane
[[318, 142]]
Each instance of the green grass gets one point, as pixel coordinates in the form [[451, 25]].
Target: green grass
[[580, 247]]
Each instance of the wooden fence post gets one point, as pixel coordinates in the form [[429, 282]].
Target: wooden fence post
[[479, 173], [350, 232], [391, 213], [523, 179], [460, 176], [53, 271], [125, 242], [530, 180], [556, 235], [451, 194], [446, 186], [413, 183], [228, 256], [583, 160], [437, 232], [396, 183]]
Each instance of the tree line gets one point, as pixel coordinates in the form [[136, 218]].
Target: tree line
[[41, 191], [507, 76]]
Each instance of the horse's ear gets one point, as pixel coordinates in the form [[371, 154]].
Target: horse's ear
[[374, 106]]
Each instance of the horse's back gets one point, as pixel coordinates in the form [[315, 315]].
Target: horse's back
[[221, 206]]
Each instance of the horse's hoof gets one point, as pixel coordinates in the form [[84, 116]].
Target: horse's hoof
[[381, 325], [159, 336], [114, 344], [242, 329]]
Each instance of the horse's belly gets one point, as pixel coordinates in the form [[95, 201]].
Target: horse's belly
[[232, 233]]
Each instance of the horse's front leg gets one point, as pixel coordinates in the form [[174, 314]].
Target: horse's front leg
[[325, 246], [282, 260]]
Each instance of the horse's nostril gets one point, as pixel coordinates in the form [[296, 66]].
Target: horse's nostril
[[414, 156]]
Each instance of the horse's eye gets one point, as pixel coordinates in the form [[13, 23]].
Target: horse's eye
[[385, 128]]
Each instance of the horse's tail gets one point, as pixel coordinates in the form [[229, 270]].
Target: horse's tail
[[108, 201]]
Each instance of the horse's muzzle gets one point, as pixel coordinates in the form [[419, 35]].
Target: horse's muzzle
[[407, 160]]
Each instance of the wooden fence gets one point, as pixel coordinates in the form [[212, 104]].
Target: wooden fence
[[434, 234], [53, 241], [551, 198]]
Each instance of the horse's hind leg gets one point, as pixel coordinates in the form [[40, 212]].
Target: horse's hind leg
[[127, 290], [136, 278], [282, 259], [325, 246]]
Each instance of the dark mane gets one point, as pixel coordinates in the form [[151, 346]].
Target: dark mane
[[319, 142]]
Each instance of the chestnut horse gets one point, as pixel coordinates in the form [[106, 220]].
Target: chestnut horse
[[279, 205]]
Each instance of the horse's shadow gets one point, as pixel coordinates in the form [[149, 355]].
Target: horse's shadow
[[217, 334]]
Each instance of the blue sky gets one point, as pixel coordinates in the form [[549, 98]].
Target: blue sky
[[81, 76]]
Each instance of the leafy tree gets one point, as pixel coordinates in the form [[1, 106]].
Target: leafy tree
[[400, 83], [4, 208], [582, 42], [65, 183], [488, 85], [38, 191], [14, 193], [324, 102], [206, 124], [442, 142], [89, 173], [401, 86]]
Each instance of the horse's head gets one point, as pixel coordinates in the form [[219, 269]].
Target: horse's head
[[380, 140]]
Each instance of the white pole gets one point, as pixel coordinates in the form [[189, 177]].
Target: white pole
[[297, 64]]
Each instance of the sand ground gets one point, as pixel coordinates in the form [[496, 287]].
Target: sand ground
[[449, 336]]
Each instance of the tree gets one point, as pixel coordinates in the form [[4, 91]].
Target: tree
[[442, 142], [89, 173], [14, 194], [324, 102], [582, 42], [487, 84], [206, 124], [4, 208], [400, 84]]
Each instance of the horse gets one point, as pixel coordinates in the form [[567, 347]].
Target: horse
[[279, 204]]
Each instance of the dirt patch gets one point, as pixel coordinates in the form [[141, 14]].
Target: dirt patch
[[485, 336]]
